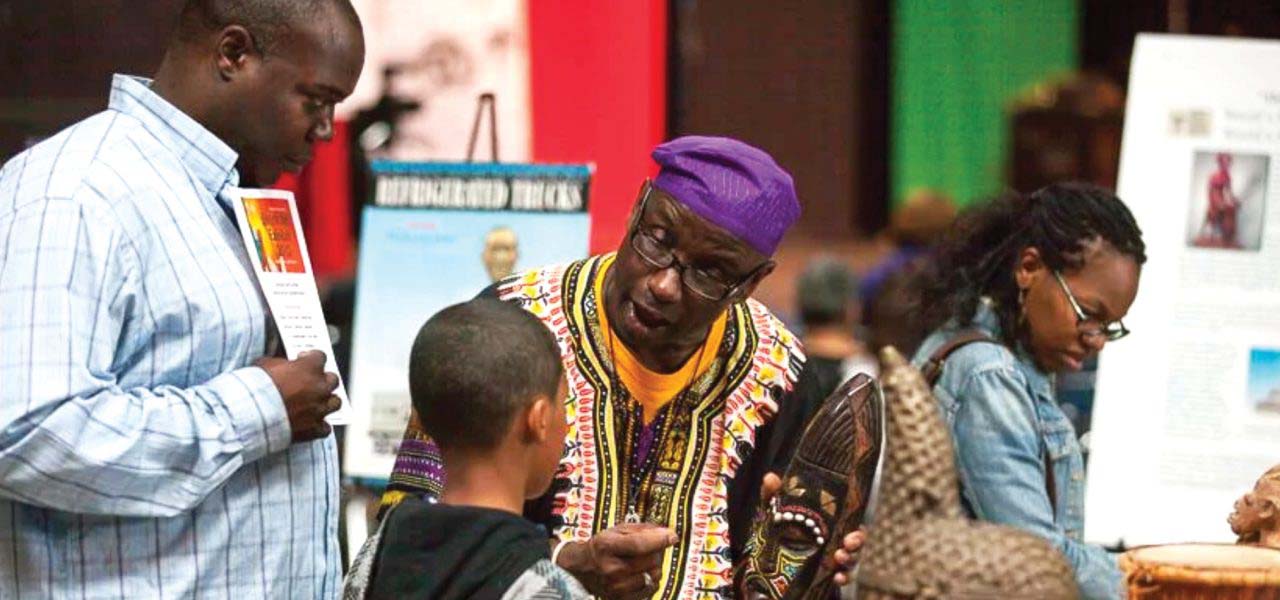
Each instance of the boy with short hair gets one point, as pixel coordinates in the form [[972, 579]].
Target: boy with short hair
[[487, 380]]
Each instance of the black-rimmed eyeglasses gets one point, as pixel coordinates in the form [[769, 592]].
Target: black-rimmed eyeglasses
[[1089, 327], [662, 256]]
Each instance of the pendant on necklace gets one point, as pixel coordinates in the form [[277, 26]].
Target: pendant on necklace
[[632, 515]]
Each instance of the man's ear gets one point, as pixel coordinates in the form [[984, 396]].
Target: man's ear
[[745, 290], [537, 420], [235, 46]]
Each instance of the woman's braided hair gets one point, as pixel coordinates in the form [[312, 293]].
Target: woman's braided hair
[[979, 254]]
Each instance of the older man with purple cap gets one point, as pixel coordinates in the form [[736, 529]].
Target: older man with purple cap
[[674, 374]]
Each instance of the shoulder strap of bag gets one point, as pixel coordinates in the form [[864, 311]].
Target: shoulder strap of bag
[[932, 371]]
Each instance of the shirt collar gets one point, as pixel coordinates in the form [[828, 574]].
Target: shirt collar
[[210, 159], [986, 320]]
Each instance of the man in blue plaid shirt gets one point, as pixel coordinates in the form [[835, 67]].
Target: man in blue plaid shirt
[[147, 449]]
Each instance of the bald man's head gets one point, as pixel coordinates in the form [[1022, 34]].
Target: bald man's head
[[264, 75]]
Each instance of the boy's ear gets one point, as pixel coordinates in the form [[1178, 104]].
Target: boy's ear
[[538, 420]]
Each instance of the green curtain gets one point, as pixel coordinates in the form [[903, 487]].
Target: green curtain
[[956, 66]]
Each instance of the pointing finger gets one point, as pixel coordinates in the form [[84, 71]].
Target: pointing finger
[[632, 543]]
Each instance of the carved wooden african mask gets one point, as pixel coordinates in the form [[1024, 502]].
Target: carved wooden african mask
[[824, 495]]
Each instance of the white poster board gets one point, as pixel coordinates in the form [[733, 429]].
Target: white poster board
[[1187, 412]]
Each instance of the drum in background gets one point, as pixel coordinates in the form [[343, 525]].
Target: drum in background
[[1202, 571]]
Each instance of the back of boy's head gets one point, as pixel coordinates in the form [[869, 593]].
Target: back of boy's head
[[475, 366]]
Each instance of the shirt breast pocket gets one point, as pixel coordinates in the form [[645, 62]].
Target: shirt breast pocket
[[1067, 466]]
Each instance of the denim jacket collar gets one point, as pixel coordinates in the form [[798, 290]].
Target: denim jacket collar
[[987, 321]]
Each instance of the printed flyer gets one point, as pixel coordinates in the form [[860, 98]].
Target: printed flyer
[[272, 235]]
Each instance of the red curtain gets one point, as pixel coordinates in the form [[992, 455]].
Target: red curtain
[[599, 77]]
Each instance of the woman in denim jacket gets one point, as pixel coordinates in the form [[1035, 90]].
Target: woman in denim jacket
[[1046, 279]]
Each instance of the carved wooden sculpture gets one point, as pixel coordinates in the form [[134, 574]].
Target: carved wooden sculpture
[[824, 495], [920, 545], [1256, 516]]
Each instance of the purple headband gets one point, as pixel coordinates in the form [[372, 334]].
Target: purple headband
[[731, 184]]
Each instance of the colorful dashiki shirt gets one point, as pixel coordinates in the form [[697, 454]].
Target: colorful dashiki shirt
[[676, 470]]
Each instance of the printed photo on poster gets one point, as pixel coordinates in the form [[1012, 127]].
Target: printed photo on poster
[[1264, 380], [501, 251], [271, 222], [1228, 200]]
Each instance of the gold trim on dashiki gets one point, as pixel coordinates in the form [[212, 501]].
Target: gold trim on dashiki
[[702, 434]]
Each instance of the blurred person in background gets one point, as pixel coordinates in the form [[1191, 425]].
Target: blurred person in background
[[914, 229], [827, 295]]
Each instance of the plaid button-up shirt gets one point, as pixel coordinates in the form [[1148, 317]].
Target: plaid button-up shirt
[[141, 456]]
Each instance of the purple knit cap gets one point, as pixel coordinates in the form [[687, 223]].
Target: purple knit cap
[[733, 185]]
